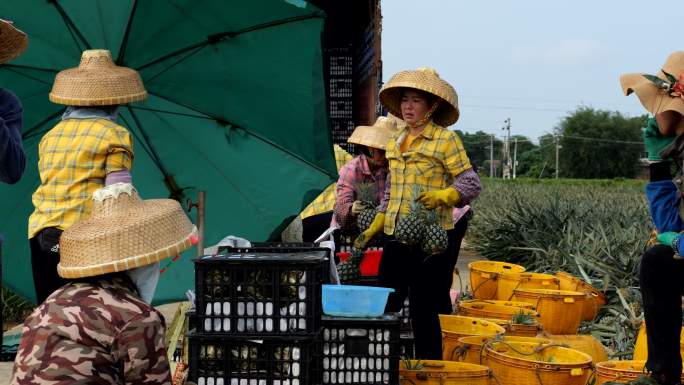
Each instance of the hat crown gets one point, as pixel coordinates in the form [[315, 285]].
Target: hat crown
[[674, 64], [428, 71], [94, 58], [113, 199]]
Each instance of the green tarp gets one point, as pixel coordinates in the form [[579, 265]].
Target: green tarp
[[236, 108]]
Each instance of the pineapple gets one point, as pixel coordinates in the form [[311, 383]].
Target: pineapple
[[411, 227], [348, 270], [366, 193], [435, 239]]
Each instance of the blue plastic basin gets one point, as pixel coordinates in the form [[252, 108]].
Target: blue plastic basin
[[354, 301]]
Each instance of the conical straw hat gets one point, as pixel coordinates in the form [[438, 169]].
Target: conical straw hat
[[123, 233], [12, 41], [375, 136], [654, 98], [97, 82], [427, 80]]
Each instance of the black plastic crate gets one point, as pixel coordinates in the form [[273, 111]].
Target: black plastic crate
[[341, 108], [360, 350], [340, 86], [261, 293], [240, 361], [340, 63], [405, 317], [407, 346]]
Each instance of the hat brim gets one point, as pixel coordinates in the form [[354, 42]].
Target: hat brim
[[371, 136], [390, 96], [103, 86], [13, 42], [655, 100], [128, 263]]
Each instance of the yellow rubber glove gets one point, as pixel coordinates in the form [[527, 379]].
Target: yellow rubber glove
[[376, 226], [447, 197]]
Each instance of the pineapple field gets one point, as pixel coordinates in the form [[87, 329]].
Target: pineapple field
[[594, 229]]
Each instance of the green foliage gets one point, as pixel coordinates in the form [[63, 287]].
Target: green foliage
[[15, 308], [596, 230], [605, 157]]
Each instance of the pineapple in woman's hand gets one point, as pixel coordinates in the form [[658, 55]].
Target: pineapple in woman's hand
[[366, 194], [411, 227], [435, 239]]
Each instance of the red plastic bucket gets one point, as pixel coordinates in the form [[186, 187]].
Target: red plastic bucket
[[370, 265]]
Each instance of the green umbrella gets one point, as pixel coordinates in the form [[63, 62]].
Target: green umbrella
[[236, 109]]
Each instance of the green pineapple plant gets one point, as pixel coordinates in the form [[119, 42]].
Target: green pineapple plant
[[411, 227], [435, 239], [349, 270], [366, 193]]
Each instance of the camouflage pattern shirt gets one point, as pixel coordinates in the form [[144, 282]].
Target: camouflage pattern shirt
[[96, 332]]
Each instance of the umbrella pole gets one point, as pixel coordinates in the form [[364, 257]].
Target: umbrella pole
[[201, 198]]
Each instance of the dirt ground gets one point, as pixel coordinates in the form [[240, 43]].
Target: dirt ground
[[169, 310]]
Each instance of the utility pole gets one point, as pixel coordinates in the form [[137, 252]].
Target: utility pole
[[491, 156], [515, 155], [507, 150], [557, 148]]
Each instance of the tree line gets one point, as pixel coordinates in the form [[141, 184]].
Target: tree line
[[593, 144]]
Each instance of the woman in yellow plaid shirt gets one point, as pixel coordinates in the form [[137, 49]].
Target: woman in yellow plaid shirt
[[85, 151], [424, 157]]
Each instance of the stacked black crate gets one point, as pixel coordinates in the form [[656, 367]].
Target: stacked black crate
[[406, 345], [258, 316], [360, 350], [340, 85]]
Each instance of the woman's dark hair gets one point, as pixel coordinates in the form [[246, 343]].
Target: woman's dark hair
[[360, 149]]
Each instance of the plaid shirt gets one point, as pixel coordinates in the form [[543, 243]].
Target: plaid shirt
[[74, 158], [325, 201], [435, 160], [355, 172]]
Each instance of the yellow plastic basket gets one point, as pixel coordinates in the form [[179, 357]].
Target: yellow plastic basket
[[470, 348], [620, 371], [484, 276], [524, 363], [455, 327], [641, 344], [443, 373], [486, 310], [596, 298], [510, 281], [560, 311], [585, 343]]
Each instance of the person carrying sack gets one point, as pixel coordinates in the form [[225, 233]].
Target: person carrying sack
[[662, 267], [85, 151], [100, 327]]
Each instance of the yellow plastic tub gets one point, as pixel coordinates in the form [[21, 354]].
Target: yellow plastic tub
[[641, 344], [443, 373], [470, 348], [510, 281], [455, 327], [585, 343], [486, 310], [524, 363], [596, 297], [620, 371], [560, 311], [484, 276]]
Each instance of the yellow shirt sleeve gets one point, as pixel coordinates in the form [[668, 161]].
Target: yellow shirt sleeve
[[119, 152]]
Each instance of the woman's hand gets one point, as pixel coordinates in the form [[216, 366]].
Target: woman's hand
[[448, 197]]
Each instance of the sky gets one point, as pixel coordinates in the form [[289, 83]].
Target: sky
[[528, 60]]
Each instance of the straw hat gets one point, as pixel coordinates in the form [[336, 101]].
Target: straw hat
[[375, 136], [659, 93], [97, 82], [427, 80], [12, 41], [124, 232]]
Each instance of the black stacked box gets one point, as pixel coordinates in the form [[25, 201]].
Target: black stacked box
[[258, 312], [340, 77], [360, 350], [240, 361]]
